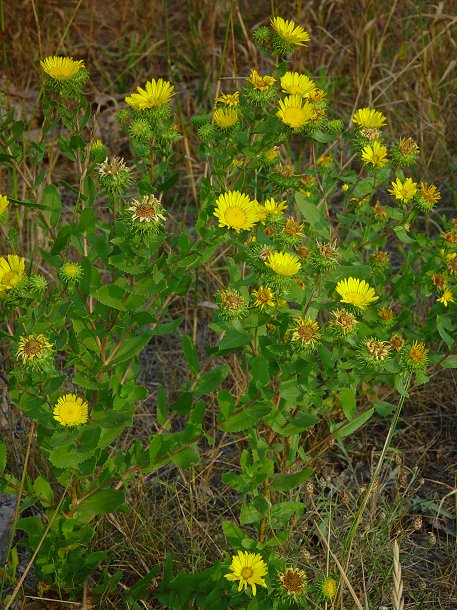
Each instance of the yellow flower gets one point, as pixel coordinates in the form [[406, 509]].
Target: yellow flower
[[273, 208], [283, 263], [293, 583], [429, 192], [264, 297], [416, 356], [249, 569], [356, 292], [61, 68], [11, 272], [156, 93], [148, 210], [294, 112], [229, 99], [296, 84], [307, 333], [71, 410], [376, 154], [32, 347], [225, 117], [369, 118], [404, 191], [4, 203], [236, 211], [260, 82], [446, 297], [96, 145], [289, 32], [328, 588]]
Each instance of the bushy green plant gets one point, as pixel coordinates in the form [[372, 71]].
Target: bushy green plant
[[334, 286]]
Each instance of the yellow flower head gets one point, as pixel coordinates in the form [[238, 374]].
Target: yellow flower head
[[446, 297], [289, 32], [61, 68], [273, 208], [296, 84], [148, 210], [294, 112], [11, 272], [307, 333], [225, 117], [260, 82], [229, 99], [156, 93], [328, 588], [356, 292], [32, 347], [4, 203], [96, 145], [249, 569], [429, 192], [417, 354], [283, 263], [236, 211], [404, 191], [376, 154], [369, 118], [293, 583], [71, 410], [264, 297]]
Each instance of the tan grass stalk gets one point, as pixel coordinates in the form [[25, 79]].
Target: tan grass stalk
[[397, 592]]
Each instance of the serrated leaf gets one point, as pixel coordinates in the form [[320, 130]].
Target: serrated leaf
[[99, 503], [284, 482]]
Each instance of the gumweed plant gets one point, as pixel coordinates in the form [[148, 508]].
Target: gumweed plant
[[334, 289]]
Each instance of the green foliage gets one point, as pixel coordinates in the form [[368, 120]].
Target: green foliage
[[314, 350]]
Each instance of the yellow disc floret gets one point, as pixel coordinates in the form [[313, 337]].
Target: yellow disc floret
[[236, 211], [71, 410], [294, 112]]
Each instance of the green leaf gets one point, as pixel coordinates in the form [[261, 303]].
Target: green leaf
[[162, 406], [348, 402], [233, 533], [131, 347], [186, 458], [384, 408], [52, 204], [355, 424], [86, 221], [313, 215], [284, 482], [65, 457], [190, 354], [450, 363], [99, 503], [233, 339], [301, 421], [210, 381], [43, 490], [444, 324], [62, 240], [284, 510]]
